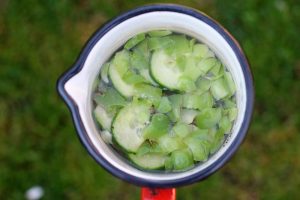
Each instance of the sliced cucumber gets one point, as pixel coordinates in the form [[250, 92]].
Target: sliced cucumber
[[174, 73], [199, 148], [217, 139], [149, 161], [146, 74], [148, 147], [148, 92], [165, 100], [106, 136], [181, 129], [126, 89], [195, 101], [129, 123], [170, 143], [219, 89], [188, 115], [230, 82], [208, 117], [103, 117], [176, 103], [134, 41], [158, 127], [164, 70], [159, 33], [232, 113], [164, 105], [182, 159], [110, 98], [225, 124], [104, 72], [202, 51], [199, 142]]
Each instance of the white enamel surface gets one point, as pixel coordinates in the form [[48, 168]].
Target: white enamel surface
[[80, 86]]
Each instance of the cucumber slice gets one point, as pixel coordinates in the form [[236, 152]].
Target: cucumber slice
[[168, 163], [121, 62], [164, 70], [182, 159], [164, 105], [206, 64], [106, 136], [232, 113], [199, 148], [148, 147], [158, 127], [149, 92], [129, 123], [194, 101], [139, 60], [179, 46], [230, 83], [103, 117], [225, 124], [126, 89], [156, 43], [176, 103], [110, 98], [188, 115], [134, 41], [181, 129], [104, 72], [199, 142], [219, 89], [132, 78], [172, 73], [228, 103], [202, 51], [170, 143], [217, 139], [208, 117], [186, 84], [145, 73], [159, 33], [202, 85], [149, 161]]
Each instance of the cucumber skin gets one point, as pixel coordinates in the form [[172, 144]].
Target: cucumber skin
[[116, 88], [146, 168], [114, 140]]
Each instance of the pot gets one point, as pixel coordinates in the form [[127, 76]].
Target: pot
[[75, 87]]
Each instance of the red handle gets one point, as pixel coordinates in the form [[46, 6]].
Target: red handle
[[158, 194]]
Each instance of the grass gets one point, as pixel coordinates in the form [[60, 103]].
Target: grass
[[39, 40]]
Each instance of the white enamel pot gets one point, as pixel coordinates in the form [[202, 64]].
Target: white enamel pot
[[75, 87]]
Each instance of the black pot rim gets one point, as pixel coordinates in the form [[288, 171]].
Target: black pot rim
[[76, 68]]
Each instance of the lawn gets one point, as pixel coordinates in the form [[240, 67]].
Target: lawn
[[39, 40]]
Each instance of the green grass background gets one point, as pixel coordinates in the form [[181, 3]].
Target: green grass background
[[39, 40]]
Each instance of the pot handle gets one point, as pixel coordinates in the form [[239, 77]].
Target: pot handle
[[158, 194]]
